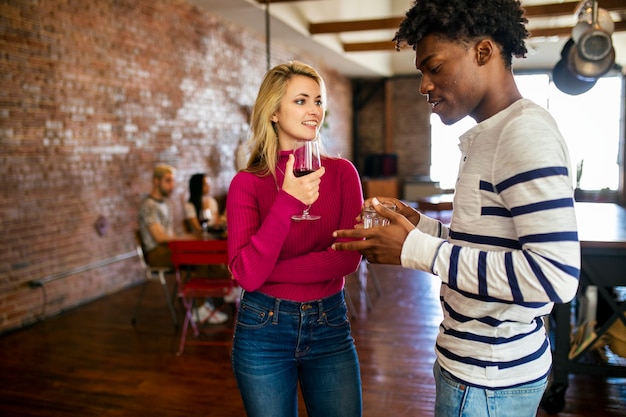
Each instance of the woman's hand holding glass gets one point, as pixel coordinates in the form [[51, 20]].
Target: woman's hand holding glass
[[306, 161], [305, 188]]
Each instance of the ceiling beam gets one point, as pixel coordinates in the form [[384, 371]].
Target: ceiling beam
[[567, 31], [278, 1], [369, 46], [354, 25], [569, 8], [389, 45], [544, 10]]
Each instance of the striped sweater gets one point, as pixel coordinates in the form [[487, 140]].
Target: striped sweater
[[510, 253], [271, 253]]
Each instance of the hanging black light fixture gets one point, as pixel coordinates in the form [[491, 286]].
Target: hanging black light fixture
[[564, 79]]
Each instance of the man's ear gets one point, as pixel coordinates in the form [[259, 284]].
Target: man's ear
[[484, 51]]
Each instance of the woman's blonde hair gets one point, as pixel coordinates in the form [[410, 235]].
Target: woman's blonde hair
[[263, 143]]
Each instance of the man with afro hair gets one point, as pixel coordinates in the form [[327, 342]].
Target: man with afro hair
[[511, 250]]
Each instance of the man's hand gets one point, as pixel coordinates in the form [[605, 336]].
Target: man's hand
[[381, 244], [401, 207], [306, 188]]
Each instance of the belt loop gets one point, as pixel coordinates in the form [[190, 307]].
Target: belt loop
[[276, 310], [320, 309]]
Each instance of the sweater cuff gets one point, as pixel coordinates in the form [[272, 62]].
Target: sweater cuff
[[429, 225], [288, 202], [420, 250]]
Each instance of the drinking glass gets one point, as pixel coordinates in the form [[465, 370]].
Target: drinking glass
[[307, 160], [371, 217], [205, 219]]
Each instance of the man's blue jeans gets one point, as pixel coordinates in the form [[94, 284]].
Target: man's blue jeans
[[455, 399], [279, 343]]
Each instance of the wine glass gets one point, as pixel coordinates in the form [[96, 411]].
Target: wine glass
[[307, 160], [204, 219]]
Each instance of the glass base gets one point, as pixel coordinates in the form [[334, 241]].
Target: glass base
[[304, 216]]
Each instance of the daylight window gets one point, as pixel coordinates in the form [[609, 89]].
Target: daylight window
[[590, 123]]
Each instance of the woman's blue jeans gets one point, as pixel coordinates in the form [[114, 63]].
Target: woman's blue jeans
[[455, 399], [279, 343]]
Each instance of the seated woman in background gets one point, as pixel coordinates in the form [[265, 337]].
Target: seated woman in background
[[201, 207]]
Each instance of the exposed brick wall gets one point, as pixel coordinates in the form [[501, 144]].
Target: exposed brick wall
[[92, 95]]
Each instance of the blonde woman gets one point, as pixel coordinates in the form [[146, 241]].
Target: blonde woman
[[292, 326]]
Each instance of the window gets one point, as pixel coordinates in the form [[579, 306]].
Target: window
[[590, 123]]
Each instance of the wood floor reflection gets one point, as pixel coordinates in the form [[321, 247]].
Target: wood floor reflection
[[92, 362]]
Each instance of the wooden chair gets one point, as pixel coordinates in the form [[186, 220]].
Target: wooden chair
[[152, 273], [201, 252]]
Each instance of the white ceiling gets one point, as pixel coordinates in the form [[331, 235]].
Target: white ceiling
[[289, 24]]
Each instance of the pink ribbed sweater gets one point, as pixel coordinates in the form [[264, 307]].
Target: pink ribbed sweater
[[271, 253]]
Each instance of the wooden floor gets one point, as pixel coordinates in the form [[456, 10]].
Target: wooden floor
[[92, 362]]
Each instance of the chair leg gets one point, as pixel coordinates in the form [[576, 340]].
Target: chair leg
[[361, 276], [374, 277], [174, 294], [168, 298], [368, 301], [133, 319], [183, 335], [188, 321]]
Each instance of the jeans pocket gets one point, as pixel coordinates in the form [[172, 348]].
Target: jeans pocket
[[337, 316], [252, 316], [446, 378]]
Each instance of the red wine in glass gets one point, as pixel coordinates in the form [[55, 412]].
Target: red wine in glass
[[302, 172]]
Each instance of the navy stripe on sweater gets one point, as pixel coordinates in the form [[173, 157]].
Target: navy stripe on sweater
[[530, 176], [494, 340], [502, 365], [490, 321]]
